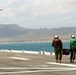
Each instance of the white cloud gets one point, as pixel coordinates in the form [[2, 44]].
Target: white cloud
[[9, 2], [38, 13]]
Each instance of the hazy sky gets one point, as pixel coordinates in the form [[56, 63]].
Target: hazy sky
[[38, 13]]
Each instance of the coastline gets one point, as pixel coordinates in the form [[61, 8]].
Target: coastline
[[6, 42]]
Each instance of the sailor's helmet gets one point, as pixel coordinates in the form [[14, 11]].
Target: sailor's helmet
[[56, 36], [72, 36]]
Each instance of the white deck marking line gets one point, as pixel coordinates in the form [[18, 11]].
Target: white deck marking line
[[62, 64], [37, 71], [37, 68], [19, 58], [12, 68]]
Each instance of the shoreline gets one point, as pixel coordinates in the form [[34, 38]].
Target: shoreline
[[7, 42]]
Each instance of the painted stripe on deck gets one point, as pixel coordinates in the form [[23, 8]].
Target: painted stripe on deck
[[62, 64], [38, 71], [36, 68], [19, 58]]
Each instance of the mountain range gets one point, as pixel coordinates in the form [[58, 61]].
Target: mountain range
[[13, 32]]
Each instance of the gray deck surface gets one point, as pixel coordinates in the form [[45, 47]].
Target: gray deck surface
[[34, 64]]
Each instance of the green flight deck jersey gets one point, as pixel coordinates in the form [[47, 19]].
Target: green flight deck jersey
[[73, 43]]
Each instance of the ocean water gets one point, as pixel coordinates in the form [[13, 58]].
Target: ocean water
[[32, 46]]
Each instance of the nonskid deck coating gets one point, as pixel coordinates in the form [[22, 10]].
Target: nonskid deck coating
[[13, 64]]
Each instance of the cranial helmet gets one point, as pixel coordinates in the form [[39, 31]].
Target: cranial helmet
[[73, 36], [56, 36]]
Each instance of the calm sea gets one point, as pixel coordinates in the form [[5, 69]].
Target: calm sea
[[32, 46]]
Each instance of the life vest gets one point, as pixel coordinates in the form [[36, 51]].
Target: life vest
[[73, 43], [57, 43]]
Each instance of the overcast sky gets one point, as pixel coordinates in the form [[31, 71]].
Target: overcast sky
[[38, 13]]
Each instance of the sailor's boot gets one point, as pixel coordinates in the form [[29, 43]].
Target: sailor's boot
[[73, 61], [56, 60], [59, 61], [70, 60]]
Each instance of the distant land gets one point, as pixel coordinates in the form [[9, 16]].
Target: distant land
[[15, 33]]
